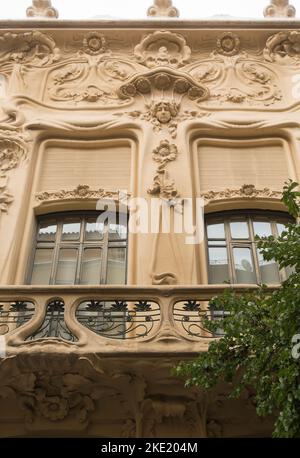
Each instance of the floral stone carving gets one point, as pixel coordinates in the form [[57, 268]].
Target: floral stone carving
[[282, 45], [228, 44], [163, 48], [247, 191], [280, 8], [163, 8], [94, 44], [42, 8], [34, 48], [163, 187], [81, 192]]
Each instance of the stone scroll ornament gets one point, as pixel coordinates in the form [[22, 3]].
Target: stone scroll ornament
[[42, 9], [162, 8], [280, 8]]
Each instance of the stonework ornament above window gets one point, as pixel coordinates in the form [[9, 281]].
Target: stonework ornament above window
[[11, 153], [247, 191], [283, 45], [163, 48], [162, 8], [29, 48], [280, 8], [82, 192], [94, 44], [42, 8], [228, 44]]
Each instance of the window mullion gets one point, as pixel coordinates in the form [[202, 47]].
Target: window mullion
[[254, 251], [231, 268]]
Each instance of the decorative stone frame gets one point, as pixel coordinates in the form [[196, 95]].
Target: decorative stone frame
[[237, 198], [47, 202]]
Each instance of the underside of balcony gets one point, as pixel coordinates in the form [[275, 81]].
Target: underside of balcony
[[97, 362]]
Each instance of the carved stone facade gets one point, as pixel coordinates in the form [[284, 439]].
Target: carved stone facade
[[157, 113], [280, 8], [163, 8], [42, 8]]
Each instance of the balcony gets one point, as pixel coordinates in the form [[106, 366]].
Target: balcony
[[97, 361], [107, 319]]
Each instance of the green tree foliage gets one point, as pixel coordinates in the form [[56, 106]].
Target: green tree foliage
[[259, 326]]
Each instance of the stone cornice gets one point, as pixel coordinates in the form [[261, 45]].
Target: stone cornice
[[161, 23]]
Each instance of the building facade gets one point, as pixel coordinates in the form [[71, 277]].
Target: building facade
[[143, 124]]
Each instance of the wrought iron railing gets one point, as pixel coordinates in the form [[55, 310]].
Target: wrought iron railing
[[165, 317]]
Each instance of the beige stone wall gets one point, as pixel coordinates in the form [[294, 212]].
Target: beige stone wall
[[89, 107]]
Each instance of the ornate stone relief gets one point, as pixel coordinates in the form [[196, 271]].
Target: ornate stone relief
[[82, 192], [90, 76], [163, 8], [87, 73], [163, 187], [247, 191], [66, 389], [94, 43], [232, 77], [5, 198], [11, 154], [163, 92], [280, 8], [163, 48], [42, 8], [228, 44], [13, 151], [29, 48], [283, 45]]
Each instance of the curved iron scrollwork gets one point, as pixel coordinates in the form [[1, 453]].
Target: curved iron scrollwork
[[191, 315], [119, 319], [54, 324], [14, 315]]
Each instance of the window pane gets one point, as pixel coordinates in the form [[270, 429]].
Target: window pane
[[117, 231], [239, 230], [47, 231], [218, 265], [42, 267], [268, 270], [244, 265], [91, 266], [116, 266], [93, 230], [66, 267], [262, 228], [216, 231], [281, 228], [71, 230]]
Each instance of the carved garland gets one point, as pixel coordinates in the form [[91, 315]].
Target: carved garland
[[247, 191], [82, 192]]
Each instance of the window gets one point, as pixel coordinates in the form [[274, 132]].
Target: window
[[233, 255], [72, 248]]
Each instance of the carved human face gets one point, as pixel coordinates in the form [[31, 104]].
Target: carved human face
[[163, 113]]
